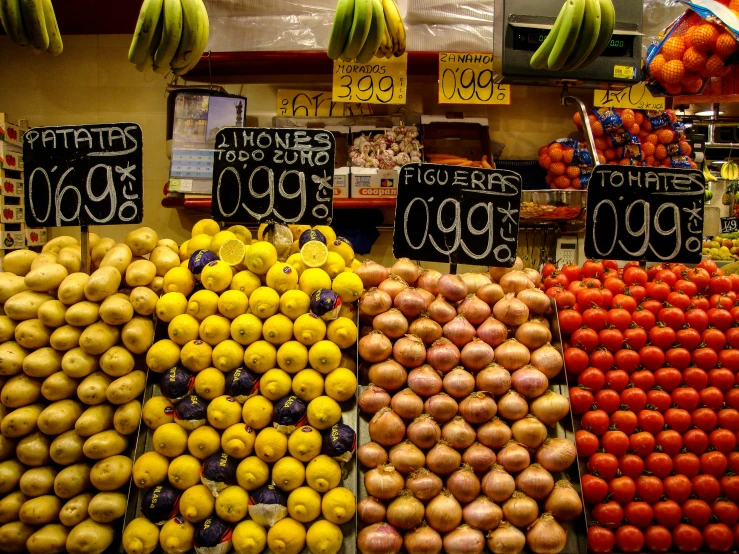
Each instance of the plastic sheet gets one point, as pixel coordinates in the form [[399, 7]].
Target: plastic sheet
[[450, 38], [448, 12]]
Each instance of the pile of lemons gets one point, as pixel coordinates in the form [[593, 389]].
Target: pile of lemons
[[237, 307]]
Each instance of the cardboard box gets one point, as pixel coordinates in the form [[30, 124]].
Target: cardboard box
[[10, 132], [11, 187], [12, 237], [35, 236], [374, 183], [341, 182], [11, 158], [11, 214], [465, 137]]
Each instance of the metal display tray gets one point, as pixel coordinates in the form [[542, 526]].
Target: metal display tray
[[549, 206]]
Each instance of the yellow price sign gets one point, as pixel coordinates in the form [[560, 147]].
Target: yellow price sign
[[636, 97], [467, 78], [316, 103], [380, 81]]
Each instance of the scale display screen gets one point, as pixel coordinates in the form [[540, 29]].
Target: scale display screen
[[530, 39]]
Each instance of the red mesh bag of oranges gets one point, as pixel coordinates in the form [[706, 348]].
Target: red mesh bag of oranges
[[698, 45]]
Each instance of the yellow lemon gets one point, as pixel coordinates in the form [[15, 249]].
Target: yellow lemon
[[327, 232], [334, 264], [338, 505], [324, 356], [296, 262], [314, 253], [216, 276], [170, 440], [287, 536], [304, 443], [292, 356], [246, 282], [196, 355], [233, 303], [178, 279], [182, 329], [197, 503], [249, 538], [323, 412], [298, 230], [277, 329], [260, 231], [313, 279], [157, 411], [341, 384], [304, 504], [282, 277], [324, 537], [170, 305], [275, 384], [355, 264], [177, 536], [219, 239], [342, 331], [241, 232], [205, 227], [214, 329], [163, 355], [238, 440], [348, 286], [223, 412], [246, 329], [323, 473], [184, 264], [264, 302], [308, 384], [288, 474], [232, 252], [232, 503], [309, 329], [150, 470], [252, 473], [203, 442], [294, 303], [182, 252], [139, 535], [260, 257], [210, 383], [348, 362], [295, 249], [260, 356], [343, 248], [257, 412], [201, 241], [184, 471], [202, 304], [228, 355], [270, 445], [348, 311]]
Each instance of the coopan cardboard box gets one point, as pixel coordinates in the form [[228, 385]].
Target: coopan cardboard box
[[371, 182]]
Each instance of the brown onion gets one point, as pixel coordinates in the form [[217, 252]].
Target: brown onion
[[407, 404], [529, 382], [371, 455], [407, 270], [479, 457], [482, 513], [383, 482], [427, 297], [443, 355], [512, 355], [442, 407], [426, 329], [534, 275], [406, 457], [441, 311], [459, 383], [511, 311], [463, 484], [424, 432], [494, 379], [443, 512], [409, 351], [564, 503], [475, 310], [372, 399], [389, 375], [477, 354], [548, 360], [405, 512], [492, 331], [506, 539], [452, 287], [380, 538], [520, 510], [550, 407], [425, 381], [535, 481], [497, 484], [536, 300], [529, 431], [556, 454], [532, 335], [541, 319], [375, 347], [392, 286], [464, 540], [371, 273], [392, 323], [494, 434], [370, 510], [422, 540], [458, 433], [459, 331], [374, 301], [423, 484], [429, 280], [475, 281], [386, 428], [512, 406], [410, 302], [513, 457], [497, 272], [478, 407], [546, 536], [490, 293], [515, 282], [442, 459]]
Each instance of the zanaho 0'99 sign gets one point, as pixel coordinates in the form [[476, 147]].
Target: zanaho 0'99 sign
[[282, 175]]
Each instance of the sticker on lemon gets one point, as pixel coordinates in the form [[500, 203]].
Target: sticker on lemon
[[252, 473], [257, 412], [324, 356], [260, 356], [228, 355], [246, 329], [202, 304], [294, 303], [308, 384], [264, 302], [342, 331], [233, 303], [170, 305], [223, 412], [288, 473], [292, 356], [323, 412], [277, 329], [308, 329], [304, 443], [216, 276], [249, 538], [238, 440], [260, 257], [282, 277]]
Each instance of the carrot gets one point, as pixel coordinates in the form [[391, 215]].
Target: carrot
[[485, 163], [444, 157]]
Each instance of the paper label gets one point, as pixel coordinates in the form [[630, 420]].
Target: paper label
[[467, 78], [381, 81]]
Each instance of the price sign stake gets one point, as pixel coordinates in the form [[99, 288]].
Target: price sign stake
[[729, 225], [645, 213], [380, 81], [455, 214], [467, 78], [636, 97]]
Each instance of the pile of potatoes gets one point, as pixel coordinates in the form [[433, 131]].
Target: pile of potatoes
[[72, 349]]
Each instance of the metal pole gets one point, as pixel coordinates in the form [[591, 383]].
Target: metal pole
[[567, 100]]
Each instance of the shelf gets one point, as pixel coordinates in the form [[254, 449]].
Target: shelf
[[339, 203]]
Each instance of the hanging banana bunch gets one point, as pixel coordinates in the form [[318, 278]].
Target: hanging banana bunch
[[32, 23], [364, 29]]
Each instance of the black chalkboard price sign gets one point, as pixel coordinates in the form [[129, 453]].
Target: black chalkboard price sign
[[455, 214], [645, 213], [84, 175], [281, 175], [729, 225]]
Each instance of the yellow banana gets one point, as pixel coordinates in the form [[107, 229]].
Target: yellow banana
[[52, 28], [33, 21], [146, 27], [202, 43], [540, 57], [192, 29], [396, 28], [171, 35], [10, 15], [587, 37], [567, 34], [607, 24]]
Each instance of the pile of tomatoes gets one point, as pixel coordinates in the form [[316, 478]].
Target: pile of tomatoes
[[652, 355]]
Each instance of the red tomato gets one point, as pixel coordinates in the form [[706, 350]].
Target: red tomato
[[608, 400], [721, 319], [631, 465], [687, 464], [704, 358], [635, 338], [650, 421], [624, 420], [588, 297], [658, 538], [581, 400], [670, 441], [602, 359], [686, 398], [638, 514], [709, 265], [624, 302], [706, 487], [657, 290], [687, 538], [615, 285], [732, 398], [600, 539], [699, 276], [686, 287], [594, 489], [713, 339], [697, 511], [728, 418], [721, 301], [622, 489], [617, 379], [629, 539], [678, 357], [665, 276], [634, 398], [619, 318], [556, 278], [722, 379], [695, 440], [688, 338], [733, 459], [547, 269], [667, 512], [587, 339], [615, 442], [595, 421], [652, 305], [734, 282], [637, 292], [604, 464], [652, 357], [732, 336], [635, 276], [592, 268], [611, 339], [586, 443], [563, 298], [654, 269], [696, 378], [662, 337], [699, 303], [571, 271], [729, 485], [595, 318], [729, 359], [576, 360], [719, 285], [592, 379], [716, 536], [704, 419], [726, 512], [678, 419], [609, 514], [668, 378], [672, 317], [697, 319], [626, 360], [723, 440], [677, 488], [679, 300], [714, 463], [643, 379], [712, 398], [569, 321], [659, 464], [641, 444], [644, 318]]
